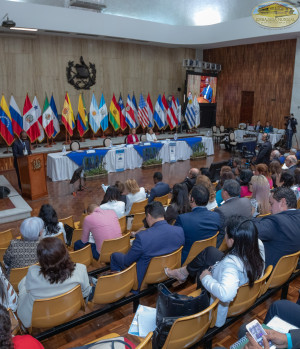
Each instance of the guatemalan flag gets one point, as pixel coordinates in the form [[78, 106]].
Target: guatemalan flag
[[6, 129], [150, 111], [94, 115], [16, 116], [55, 120], [130, 117], [103, 114], [159, 114], [135, 109], [142, 112], [190, 115]]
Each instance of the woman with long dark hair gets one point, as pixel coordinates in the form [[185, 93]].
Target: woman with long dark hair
[[112, 201], [222, 274], [179, 203], [245, 179], [52, 227]]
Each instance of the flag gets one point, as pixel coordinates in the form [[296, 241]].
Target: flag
[[6, 128], [30, 121], [130, 117], [142, 112], [55, 120], [39, 116], [166, 107], [48, 117], [190, 115], [67, 116], [159, 115], [94, 115], [150, 111], [171, 115], [123, 124], [103, 114], [114, 113], [16, 116], [197, 112], [82, 118], [178, 111], [135, 109]]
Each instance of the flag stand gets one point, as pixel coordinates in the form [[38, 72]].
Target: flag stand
[[103, 135], [68, 140], [93, 138], [7, 151], [36, 145], [48, 145], [82, 139]]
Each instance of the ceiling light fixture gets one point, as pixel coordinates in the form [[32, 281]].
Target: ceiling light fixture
[[207, 16], [8, 23], [25, 29]]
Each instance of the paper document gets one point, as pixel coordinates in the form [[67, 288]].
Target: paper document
[[143, 322]]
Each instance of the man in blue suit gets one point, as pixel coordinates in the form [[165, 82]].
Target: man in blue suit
[[160, 239], [160, 188], [207, 92], [200, 224]]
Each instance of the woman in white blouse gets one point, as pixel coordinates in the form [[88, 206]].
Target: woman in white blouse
[[151, 135], [135, 193], [112, 201]]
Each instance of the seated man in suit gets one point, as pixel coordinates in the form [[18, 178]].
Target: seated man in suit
[[191, 178], [160, 239], [233, 205], [291, 164], [279, 232], [200, 224], [263, 156], [160, 188], [20, 147]]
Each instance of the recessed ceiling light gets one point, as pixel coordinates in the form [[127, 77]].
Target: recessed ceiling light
[[207, 16], [25, 29]]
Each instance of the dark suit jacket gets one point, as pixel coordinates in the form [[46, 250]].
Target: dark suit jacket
[[160, 189], [280, 235], [295, 334], [189, 182], [233, 206], [197, 225], [18, 148], [292, 169], [158, 240], [263, 156]]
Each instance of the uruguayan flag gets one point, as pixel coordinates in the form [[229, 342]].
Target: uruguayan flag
[[197, 112], [190, 116]]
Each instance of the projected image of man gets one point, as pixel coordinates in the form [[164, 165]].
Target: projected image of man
[[207, 92]]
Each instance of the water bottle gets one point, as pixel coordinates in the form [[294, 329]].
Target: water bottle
[[207, 134], [175, 136], [25, 152], [64, 150]]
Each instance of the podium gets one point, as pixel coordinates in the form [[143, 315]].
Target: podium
[[33, 176]]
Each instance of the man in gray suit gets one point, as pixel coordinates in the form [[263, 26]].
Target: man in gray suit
[[232, 205]]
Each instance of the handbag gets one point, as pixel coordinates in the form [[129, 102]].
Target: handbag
[[171, 306], [69, 234], [113, 343]]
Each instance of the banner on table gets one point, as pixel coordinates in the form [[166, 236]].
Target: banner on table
[[120, 160], [88, 160], [172, 151]]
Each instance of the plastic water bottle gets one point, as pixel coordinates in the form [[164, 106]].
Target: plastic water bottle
[[207, 134], [64, 150], [175, 136]]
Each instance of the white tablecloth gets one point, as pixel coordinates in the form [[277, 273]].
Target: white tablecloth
[[274, 137], [61, 168]]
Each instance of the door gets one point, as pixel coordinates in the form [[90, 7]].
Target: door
[[247, 102]]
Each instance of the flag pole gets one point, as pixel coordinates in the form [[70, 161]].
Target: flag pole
[[48, 145], [7, 151]]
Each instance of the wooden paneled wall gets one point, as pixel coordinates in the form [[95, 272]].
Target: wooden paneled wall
[[265, 68]]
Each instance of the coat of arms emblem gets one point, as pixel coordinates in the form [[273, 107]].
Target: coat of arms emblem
[[81, 76]]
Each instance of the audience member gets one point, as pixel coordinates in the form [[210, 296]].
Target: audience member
[[258, 127], [222, 274], [102, 225], [160, 188], [282, 156], [260, 195], [55, 275], [233, 204], [205, 181], [135, 193], [268, 128], [191, 178], [245, 179], [133, 138], [224, 169], [199, 224], [179, 203], [7, 341], [22, 252], [296, 186], [263, 156], [275, 155], [151, 137], [121, 188], [112, 201], [51, 225], [224, 177], [291, 163], [275, 170], [286, 180], [280, 231], [262, 169], [160, 239], [205, 172], [8, 296]]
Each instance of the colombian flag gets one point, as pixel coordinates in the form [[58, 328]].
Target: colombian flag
[[114, 113], [82, 118], [6, 129], [67, 116]]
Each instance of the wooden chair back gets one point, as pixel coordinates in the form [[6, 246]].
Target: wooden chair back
[[137, 221], [2, 253], [163, 199], [121, 244], [156, 269], [146, 342], [60, 236], [263, 215], [77, 234], [199, 246], [83, 256], [282, 271], [223, 247], [123, 224], [111, 288], [5, 238], [68, 220], [16, 275], [188, 330], [138, 207], [246, 296], [50, 312]]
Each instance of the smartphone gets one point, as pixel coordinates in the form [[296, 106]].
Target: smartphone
[[257, 332]]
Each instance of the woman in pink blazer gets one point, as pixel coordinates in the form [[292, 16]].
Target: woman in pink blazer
[[132, 138]]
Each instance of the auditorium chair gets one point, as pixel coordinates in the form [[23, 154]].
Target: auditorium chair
[[163, 199], [138, 207], [156, 269], [16, 275], [146, 343], [2, 253], [5, 238], [232, 140], [79, 224], [263, 215], [83, 256], [298, 204], [77, 234], [223, 247], [282, 271], [121, 244], [50, 312], [214, 132], [68, 220], [61, 237], [111, 288], [137, 221], [199, 246], [123, 224], [188, 330]]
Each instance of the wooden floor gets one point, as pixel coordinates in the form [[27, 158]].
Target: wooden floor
[[119, 320]]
